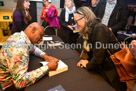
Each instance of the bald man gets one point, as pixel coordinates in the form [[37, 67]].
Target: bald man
[[14, 59]]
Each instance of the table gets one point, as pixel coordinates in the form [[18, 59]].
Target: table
[[75, 79]]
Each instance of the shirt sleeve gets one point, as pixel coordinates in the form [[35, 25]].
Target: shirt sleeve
[[38, 52], [19, 59]]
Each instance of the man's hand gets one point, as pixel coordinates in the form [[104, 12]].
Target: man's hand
[[82, 63], [52, 65], [49, 58]]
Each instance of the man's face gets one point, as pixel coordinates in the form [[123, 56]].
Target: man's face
[[111, 0], [94, 2], [37, 36]]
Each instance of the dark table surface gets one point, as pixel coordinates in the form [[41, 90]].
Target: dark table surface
[[75, 79]]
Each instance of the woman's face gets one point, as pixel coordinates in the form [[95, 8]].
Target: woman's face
[[26, 4], [45, 2], [68, 3], [80, 21]]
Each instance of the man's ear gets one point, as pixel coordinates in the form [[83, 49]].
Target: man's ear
[[33, 30]]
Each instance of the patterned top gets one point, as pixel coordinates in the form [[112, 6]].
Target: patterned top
[[14, 59], [108, 11]]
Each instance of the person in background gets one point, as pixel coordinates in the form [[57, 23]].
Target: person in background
[[114, 14], [96, 34], [45, 10], [21, 16], [93, 4], [14, 59], [131, 24], [67, 23]]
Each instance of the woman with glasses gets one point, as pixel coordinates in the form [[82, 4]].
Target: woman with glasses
[[21, 16], [67, 23], [97, 39], [44, 16]]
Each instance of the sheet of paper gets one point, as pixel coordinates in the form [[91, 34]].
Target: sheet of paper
[[57, 88], [47, 38], [60, 64]]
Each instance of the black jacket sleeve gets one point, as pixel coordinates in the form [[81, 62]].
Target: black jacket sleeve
[[100, 36], [62, 18]]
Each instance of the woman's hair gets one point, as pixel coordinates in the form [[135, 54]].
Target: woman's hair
[[86, 12], [20, 7], [73, 4], [45, 0]]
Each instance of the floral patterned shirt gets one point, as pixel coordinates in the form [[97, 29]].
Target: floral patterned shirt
[[14, 59]]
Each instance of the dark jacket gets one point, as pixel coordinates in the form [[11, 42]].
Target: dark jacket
[[118, 18], [99, 60], [67, 34]]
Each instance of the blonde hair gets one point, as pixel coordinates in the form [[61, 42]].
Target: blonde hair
[[73, 4], [87, 12]]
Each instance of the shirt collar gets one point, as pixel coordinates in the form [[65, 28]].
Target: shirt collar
[[112, 3], [27, 40]]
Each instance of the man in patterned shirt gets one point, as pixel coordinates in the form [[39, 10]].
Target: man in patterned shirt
[[14, 59]]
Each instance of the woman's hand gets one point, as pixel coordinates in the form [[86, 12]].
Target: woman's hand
[[82, 63], [70, 27], [46, 10]]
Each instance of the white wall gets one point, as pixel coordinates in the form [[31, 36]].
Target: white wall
[[8, 5]]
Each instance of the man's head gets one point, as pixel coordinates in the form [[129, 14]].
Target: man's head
[[111, 1], [34, 32], [94, 2]]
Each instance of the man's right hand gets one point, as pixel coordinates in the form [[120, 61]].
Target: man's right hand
[[52, 65]]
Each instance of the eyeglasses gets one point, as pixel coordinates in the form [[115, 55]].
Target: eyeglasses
[[78, 12], [79, 19]]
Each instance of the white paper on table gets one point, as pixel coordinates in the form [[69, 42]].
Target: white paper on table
[[47, 38], [60, 64], [62, 67]]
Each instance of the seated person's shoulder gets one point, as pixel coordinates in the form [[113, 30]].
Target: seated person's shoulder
[[101, 26]]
